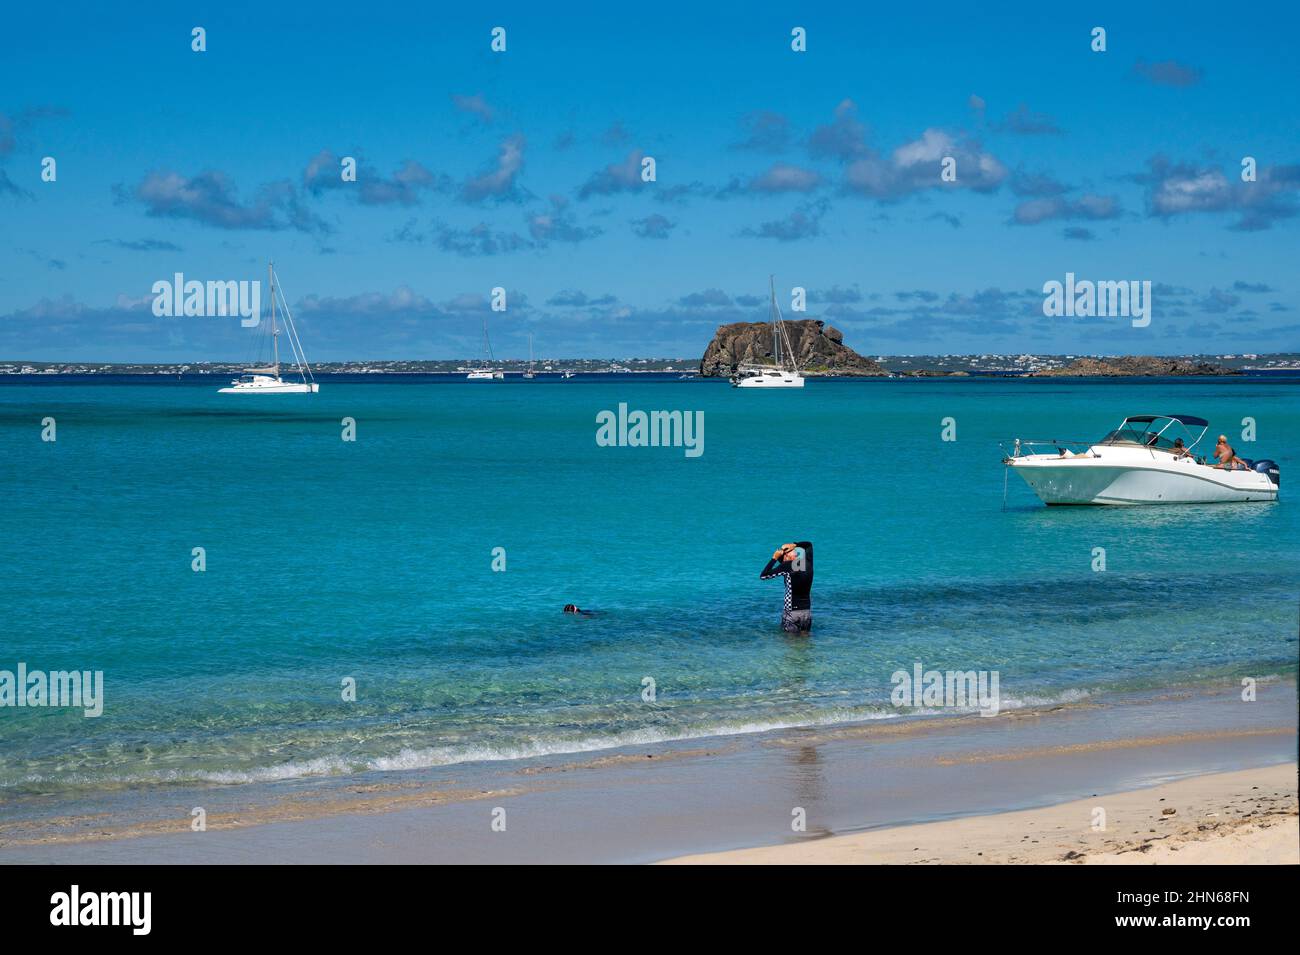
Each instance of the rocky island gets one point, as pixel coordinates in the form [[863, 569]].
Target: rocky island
[[1135, 365], [819, 349]]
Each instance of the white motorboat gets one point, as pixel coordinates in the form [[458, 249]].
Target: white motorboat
[[1148, 459], [783, 372], [267, 380], [487, 372]]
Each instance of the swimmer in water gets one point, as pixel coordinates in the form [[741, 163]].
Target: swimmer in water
[[578, 611], [795, 563]]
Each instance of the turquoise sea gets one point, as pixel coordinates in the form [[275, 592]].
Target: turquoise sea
[[373, 560]]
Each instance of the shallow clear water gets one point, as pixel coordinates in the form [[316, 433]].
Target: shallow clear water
[[373, 560]]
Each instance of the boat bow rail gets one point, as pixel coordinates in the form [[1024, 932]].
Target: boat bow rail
[[1023, 447]]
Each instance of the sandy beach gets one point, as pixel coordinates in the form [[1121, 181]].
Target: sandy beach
[[1240, 818]]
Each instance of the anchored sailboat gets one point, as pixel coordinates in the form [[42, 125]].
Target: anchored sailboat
[[267, 380], [530, 373], [487, 372], [784, 372]]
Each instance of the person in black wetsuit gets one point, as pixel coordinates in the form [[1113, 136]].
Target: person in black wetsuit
[[795, 563]]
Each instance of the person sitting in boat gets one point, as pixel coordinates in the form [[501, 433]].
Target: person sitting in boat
[[1179, 450], [795, 563], [1227, 457]]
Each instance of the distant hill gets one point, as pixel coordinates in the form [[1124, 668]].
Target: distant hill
[[819, 349]]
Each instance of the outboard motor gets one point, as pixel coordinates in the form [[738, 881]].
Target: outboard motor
[[1271, 469]]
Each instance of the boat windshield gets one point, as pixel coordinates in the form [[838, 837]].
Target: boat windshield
[[1154, 431]]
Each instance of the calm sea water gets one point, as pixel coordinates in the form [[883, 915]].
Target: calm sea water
[[372, 560]]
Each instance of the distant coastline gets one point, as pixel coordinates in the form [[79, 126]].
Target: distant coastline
[[1024, 365]]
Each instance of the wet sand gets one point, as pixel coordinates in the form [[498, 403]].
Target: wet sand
[[663, 801]]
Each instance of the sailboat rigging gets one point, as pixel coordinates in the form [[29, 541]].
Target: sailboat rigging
[[487, 372], [784, 372], [266, 380], [530, 373]]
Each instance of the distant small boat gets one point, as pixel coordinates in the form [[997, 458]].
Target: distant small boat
[[566, 374], [776, 375], [267, 381], [487, 372]]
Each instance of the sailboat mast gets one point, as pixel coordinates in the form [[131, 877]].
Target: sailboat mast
[[275, 332], [772, 313]]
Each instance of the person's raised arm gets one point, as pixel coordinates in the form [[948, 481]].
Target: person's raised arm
[[774, 567]]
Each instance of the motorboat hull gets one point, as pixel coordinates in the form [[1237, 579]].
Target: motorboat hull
[[1091, 480]]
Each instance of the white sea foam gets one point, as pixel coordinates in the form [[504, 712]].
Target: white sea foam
[[1029, 701], [442, 756], [416, 758], [429, 757]]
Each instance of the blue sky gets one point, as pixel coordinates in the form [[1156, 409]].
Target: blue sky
[[518, 169]]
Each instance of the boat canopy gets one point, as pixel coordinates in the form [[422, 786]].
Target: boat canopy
[[1190, 420]]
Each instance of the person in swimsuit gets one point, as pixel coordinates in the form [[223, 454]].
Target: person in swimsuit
[[795, 563], [1220, 447], [1227, 457]]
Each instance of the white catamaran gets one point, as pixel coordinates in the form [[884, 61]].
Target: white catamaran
[[267, 381], [783, 372], [487, 372]]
